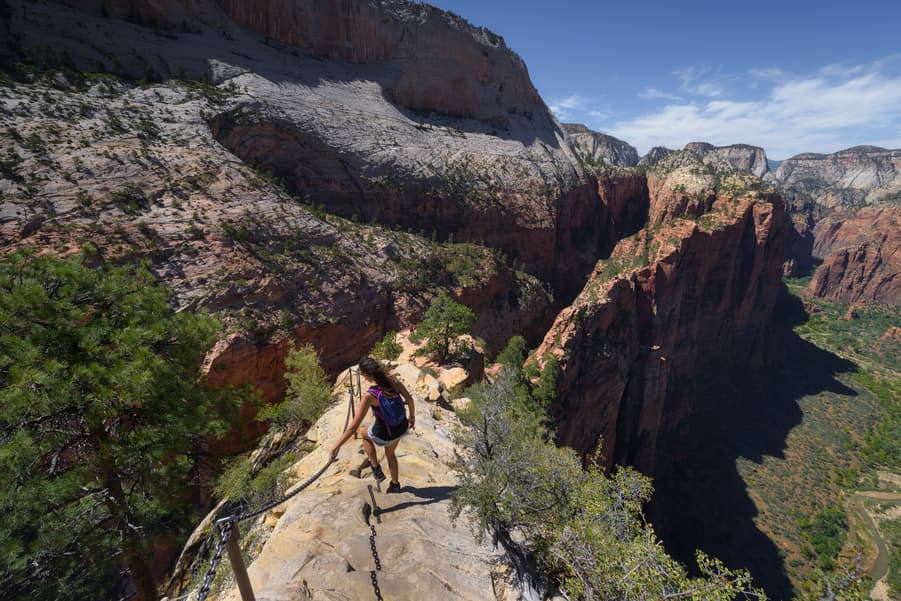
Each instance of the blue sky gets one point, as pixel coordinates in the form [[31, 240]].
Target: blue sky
[[794, 76]]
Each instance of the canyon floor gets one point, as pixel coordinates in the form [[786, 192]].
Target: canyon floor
[[773, 449]]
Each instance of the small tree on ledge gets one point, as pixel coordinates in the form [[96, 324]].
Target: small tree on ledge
[[442, 323]]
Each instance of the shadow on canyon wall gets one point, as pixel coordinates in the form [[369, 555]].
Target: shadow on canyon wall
[[701, 501]]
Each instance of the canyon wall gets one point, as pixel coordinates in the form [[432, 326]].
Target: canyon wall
[[845, 209], [433, 60], [650, 317], [743, 157]]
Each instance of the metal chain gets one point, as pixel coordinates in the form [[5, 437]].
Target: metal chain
[[375, 586], [252, 514], [377, 511], [375, 552], [225, 532]]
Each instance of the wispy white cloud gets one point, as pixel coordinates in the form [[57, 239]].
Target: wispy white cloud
[[655, 94], [838, 106], [700, 81], [569, 107], [578, 108]]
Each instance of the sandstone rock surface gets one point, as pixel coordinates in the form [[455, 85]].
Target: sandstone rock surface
[[850, 178], [654, 156], [436, 60], [596, 147]]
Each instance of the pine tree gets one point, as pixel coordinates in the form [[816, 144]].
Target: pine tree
[[443, 322], [101, 406]]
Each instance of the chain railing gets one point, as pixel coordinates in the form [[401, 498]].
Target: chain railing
[[228, 526]]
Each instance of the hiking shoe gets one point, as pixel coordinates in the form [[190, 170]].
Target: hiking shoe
[[393, 487], [378, 474]]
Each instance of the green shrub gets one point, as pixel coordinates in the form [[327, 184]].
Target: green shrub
[[827, 534], [308, 394], [443, 322], [387, 348], [241, 483], [584, 529], [513, 355]]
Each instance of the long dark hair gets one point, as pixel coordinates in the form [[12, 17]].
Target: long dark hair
[[373, 370]]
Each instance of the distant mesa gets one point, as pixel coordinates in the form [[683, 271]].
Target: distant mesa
[[595, 146]]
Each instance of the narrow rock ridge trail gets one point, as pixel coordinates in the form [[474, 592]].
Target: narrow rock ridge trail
[[317, 545]]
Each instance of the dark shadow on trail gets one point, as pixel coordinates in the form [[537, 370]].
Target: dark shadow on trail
[[428, 494], [701, 501]]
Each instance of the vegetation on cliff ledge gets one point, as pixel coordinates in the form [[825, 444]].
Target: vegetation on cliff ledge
[[583, 529]]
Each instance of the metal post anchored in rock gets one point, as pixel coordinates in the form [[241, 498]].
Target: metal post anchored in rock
[[237, 561]]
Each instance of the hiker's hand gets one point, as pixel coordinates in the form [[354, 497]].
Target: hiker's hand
[[334, 452], [412, 422]]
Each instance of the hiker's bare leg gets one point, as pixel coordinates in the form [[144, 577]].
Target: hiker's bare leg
[[369, 448], [392, 460]]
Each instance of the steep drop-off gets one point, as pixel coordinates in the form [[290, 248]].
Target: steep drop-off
[[669, 299]]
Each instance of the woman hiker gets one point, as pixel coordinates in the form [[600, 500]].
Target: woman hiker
[[386, 399]]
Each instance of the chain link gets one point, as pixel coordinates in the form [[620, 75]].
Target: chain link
[[377, 511], [225, 532], [375, 552], [375, 586]]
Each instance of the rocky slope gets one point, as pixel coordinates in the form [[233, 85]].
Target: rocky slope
[[595, 147], [248, 195], [654, 156], [141, 170], [695, 284], [434, 60], [743, 157], [291, 167]]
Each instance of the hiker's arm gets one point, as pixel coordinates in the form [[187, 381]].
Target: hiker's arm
[[411, 408], [365, 403]]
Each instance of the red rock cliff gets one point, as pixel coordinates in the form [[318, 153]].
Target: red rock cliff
[[861, 257], [637, 335]]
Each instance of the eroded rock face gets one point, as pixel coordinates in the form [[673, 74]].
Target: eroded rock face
[[632, 342], [432, 60], [861, 257], [855, 177], [596, 147], [751, 159]]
